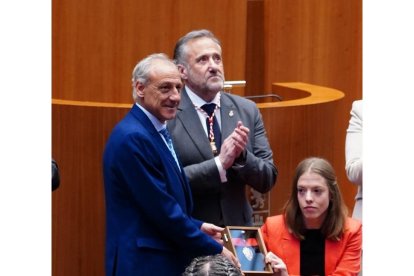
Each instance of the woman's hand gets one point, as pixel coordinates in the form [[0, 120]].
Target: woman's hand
[[277, 264]]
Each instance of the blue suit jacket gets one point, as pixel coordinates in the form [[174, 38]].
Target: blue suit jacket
[[149, 229]]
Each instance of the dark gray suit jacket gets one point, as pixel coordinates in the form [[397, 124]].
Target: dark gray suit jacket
[[216, 202]]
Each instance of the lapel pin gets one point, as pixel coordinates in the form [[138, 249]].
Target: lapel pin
[[231, 113]]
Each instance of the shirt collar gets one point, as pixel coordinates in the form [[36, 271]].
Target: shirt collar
[[197, 101], [154, 120]]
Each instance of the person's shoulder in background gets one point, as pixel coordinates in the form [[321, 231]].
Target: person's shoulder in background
[[55, 175]]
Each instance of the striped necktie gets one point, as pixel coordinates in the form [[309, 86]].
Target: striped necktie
[[209, 109]]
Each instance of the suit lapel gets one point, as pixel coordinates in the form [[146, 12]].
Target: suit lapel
[[187, 114], [291, 248], [229, 116], [192, 126], [146, 122], [332, 251]]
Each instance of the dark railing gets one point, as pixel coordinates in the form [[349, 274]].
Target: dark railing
[[228, 85]]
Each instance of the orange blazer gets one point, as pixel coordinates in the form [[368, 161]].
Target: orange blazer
[[342, 257]]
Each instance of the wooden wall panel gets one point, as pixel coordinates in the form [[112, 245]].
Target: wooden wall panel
[[96, 43], [314, 41], [297, 128], [318, 42], [295, 132], [255, 54], [78, 210]]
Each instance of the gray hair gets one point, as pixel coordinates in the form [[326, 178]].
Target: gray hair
[[180, 46], [212, 265], [142, 70]]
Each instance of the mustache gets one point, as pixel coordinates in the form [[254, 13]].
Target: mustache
[[217, 74]]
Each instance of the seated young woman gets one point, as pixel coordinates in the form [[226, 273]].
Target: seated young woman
[[314, 235]]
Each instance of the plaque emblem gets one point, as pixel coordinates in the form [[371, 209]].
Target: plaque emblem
[[248, 253]]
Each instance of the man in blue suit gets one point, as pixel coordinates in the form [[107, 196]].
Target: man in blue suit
[[149, 226]]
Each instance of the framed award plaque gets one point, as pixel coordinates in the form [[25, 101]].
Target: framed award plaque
[[247, 245]]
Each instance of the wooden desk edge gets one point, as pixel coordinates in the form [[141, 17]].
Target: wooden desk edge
[[317, 95]]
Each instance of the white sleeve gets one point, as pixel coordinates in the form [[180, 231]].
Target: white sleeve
[[353, 145]]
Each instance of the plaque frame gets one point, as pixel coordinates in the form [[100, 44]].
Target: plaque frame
[[255, 235]]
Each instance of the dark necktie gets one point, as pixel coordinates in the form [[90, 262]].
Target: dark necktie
[[167, 138], [209, 109]]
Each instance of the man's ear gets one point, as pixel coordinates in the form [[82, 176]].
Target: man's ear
[[139, 89], [183, 71]]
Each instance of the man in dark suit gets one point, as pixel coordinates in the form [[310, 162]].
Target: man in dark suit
[[150, 230], [222, 149]]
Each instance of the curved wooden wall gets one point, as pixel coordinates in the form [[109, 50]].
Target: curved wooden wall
[[299, 126]]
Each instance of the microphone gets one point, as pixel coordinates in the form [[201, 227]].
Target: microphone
[[279, 98], [230, 84]]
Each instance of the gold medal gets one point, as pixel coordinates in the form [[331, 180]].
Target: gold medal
[[213, 147]]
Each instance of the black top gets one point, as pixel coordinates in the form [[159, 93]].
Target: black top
[[312, 254]]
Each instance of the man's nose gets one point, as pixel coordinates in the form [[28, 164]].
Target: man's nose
[[175, 94], [213, 65]]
